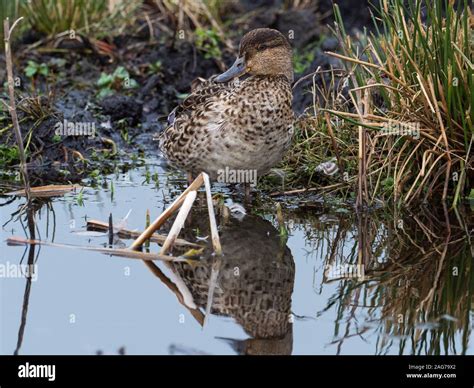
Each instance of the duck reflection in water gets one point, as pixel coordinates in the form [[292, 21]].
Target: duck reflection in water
[[254, 284]]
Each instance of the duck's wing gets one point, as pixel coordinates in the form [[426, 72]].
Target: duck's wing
[[200, 113], [202, 92]]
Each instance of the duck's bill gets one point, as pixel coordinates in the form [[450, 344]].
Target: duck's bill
[[236, 70]]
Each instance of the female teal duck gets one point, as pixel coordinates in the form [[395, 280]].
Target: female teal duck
[[229, 124]]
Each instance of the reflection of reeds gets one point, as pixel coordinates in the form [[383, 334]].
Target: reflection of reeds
[[429, 279], [418, 285], [32, 257]]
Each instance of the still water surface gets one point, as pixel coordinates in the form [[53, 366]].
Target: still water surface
[[339, 284]]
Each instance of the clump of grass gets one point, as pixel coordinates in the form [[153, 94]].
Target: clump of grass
[[321, 138], [405, 122], [52, 17]]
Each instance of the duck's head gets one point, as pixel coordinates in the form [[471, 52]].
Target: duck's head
[[262, 51]]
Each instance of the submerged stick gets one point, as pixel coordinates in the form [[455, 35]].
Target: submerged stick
[[109, 251], [111, 230], [167, 213], [46, 191], [130, 234], [215, 269], [179, 222], [180, 293], [216, 242], [180, 289], [306, 190]]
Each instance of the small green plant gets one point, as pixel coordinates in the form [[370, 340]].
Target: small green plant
[[156, 179], [283, 231], [147, 176], [125, 136], [112, 190], [3, 111], [302, 60], [34, 69], [8, 155], [156, 67], [94, 174], [119, 79], [387, 184], [207, 41], [80, 197]]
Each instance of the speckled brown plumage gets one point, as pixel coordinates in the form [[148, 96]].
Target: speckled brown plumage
[[242, 124]]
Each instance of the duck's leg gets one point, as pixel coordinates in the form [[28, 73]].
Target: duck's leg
[[247, 194], [190, 178], [189, 218]]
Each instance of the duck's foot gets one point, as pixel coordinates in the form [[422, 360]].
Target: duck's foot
[[247, 194]]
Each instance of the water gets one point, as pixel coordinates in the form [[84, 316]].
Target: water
[[339, 284]]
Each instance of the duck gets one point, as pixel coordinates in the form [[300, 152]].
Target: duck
[[239, 121]]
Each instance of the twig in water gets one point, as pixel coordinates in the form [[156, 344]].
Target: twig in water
[[179, 222], [109, 251], [130, 234], [46, 191], [111, 230]]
